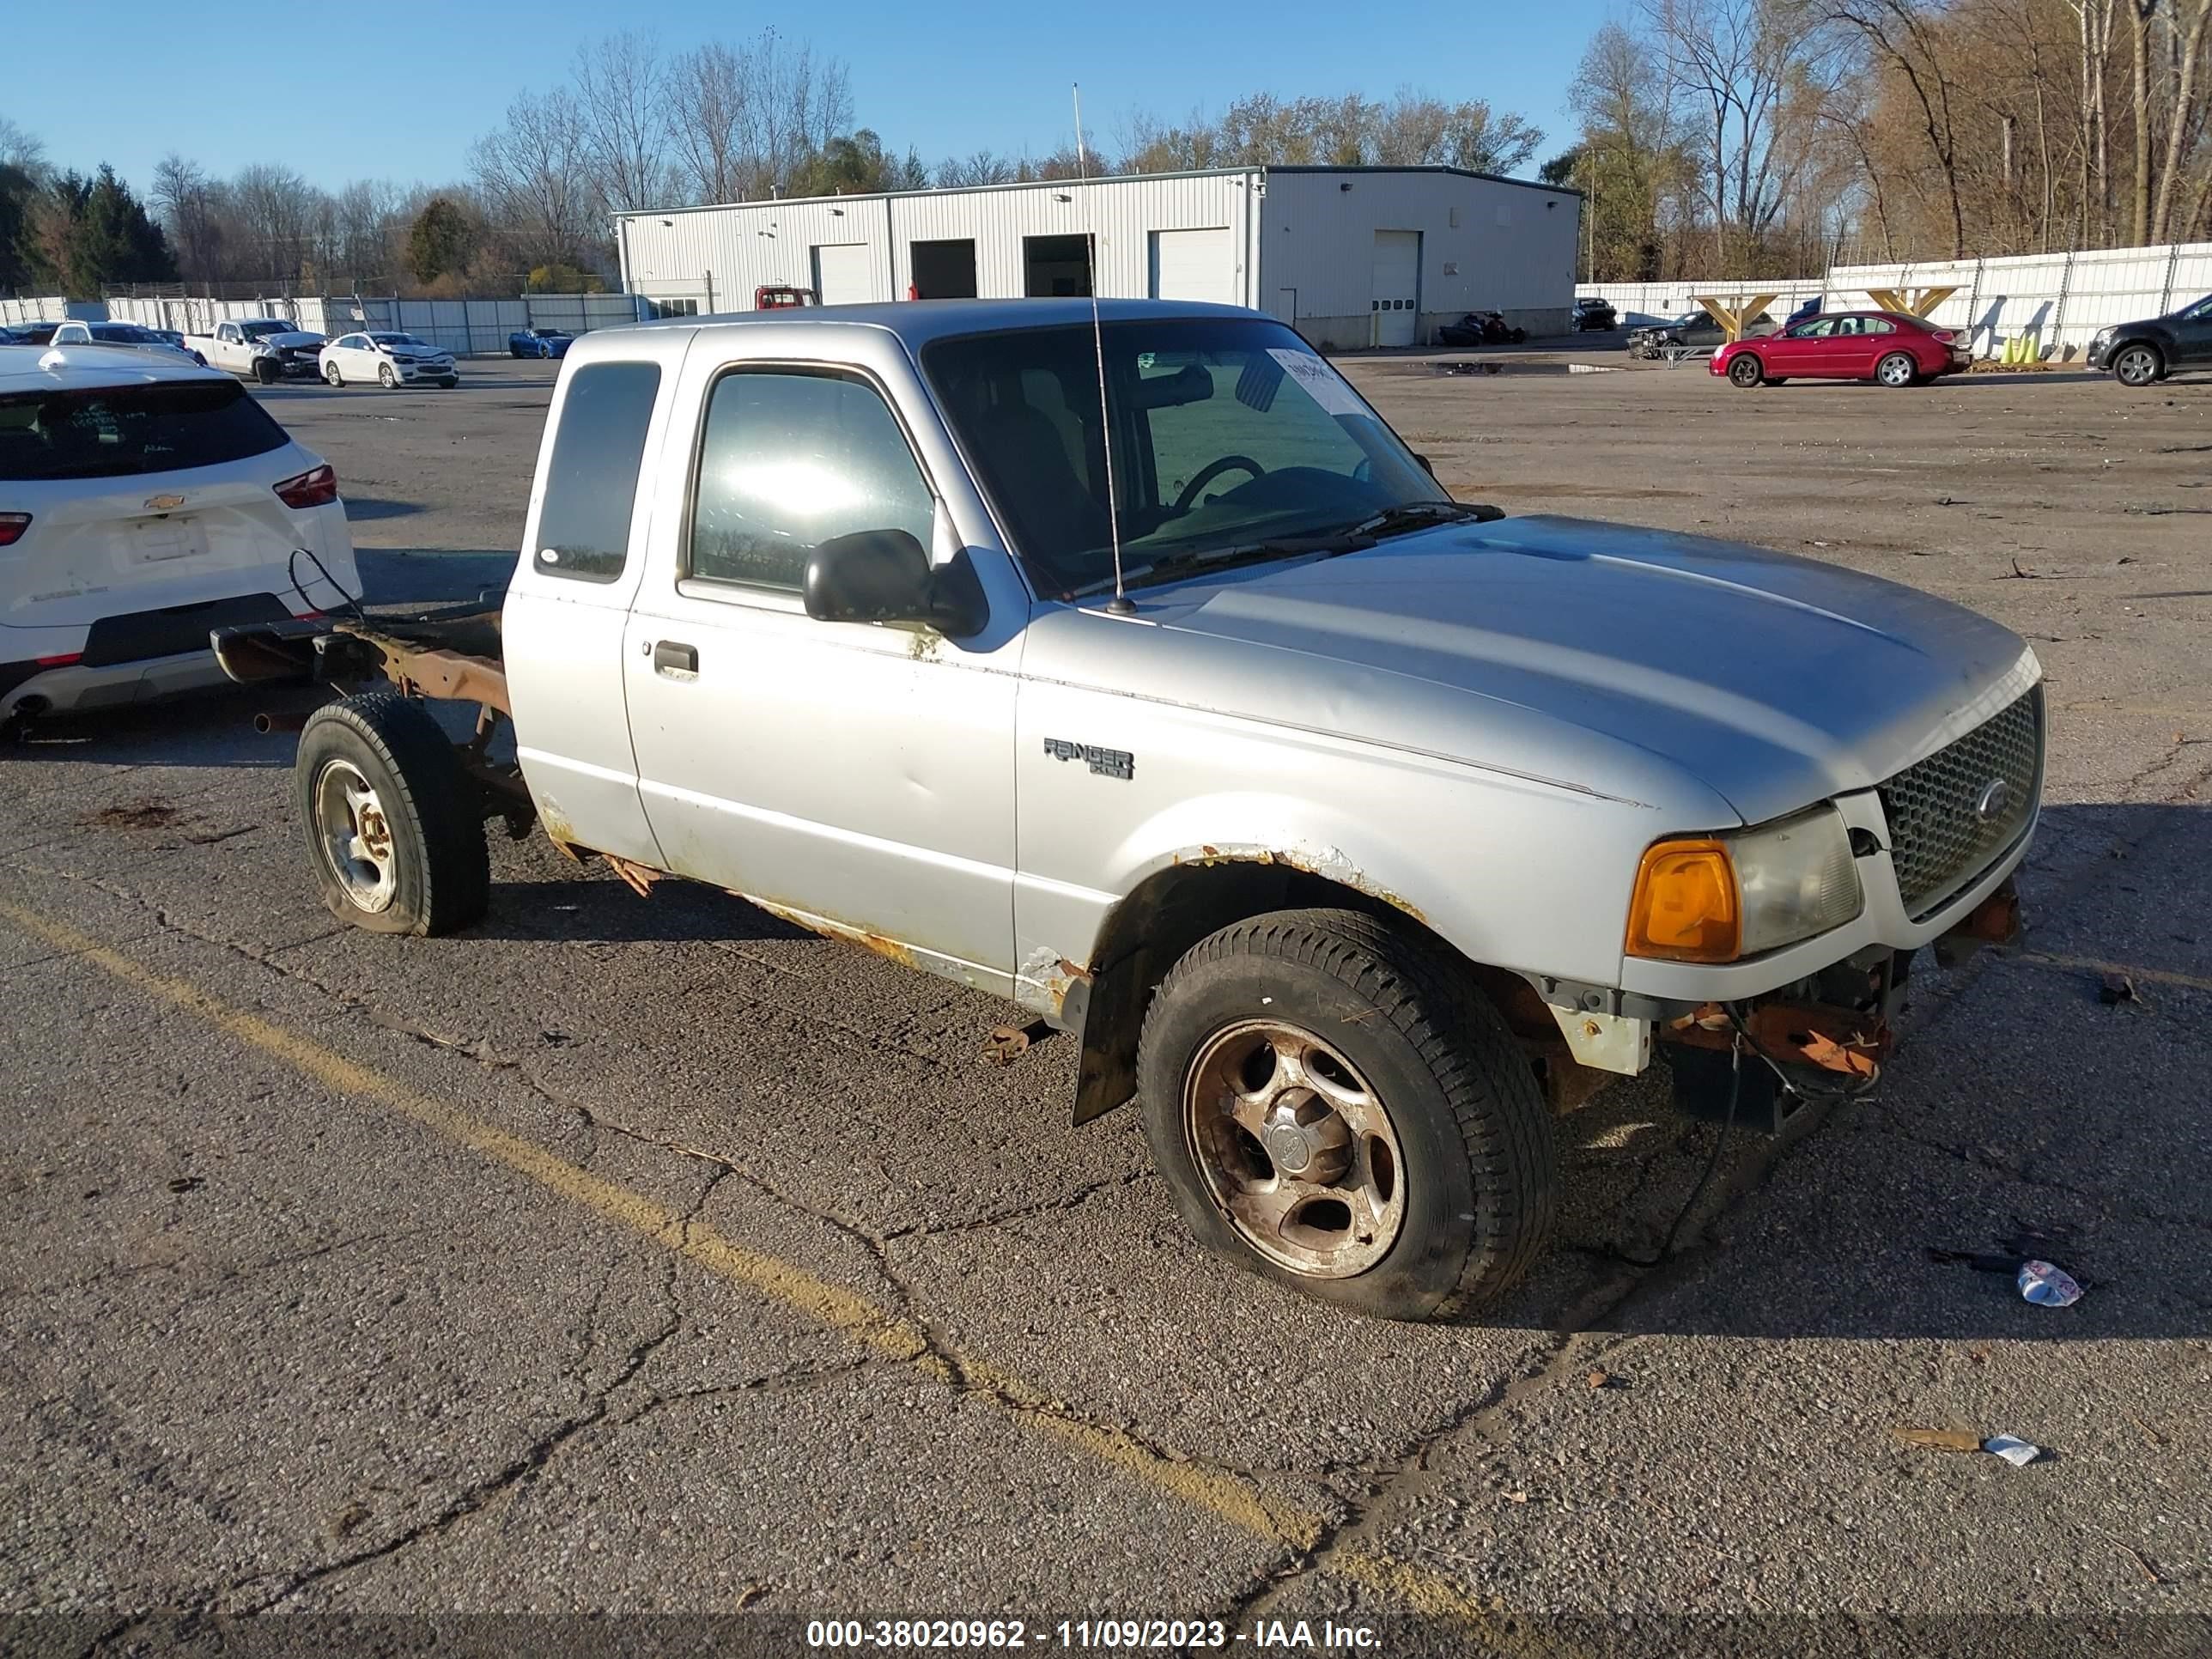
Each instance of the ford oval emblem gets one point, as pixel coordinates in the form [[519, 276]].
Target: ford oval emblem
[[1996, 795], [164, 503]]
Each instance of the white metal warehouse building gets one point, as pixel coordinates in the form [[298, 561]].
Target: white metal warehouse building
[[1351, 257]]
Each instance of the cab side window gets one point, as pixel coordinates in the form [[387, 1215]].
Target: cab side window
[[583, 528], [791, 459]]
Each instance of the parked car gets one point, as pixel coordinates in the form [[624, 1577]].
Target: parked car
[[1693, 331], [263, 348], [31, 333], [539, 343], [1593, 314], [1885, 347], [1480, 328], [126, 336], [1359, 827], [2142, 354], [176, 338], [388, 358], [143, 502]]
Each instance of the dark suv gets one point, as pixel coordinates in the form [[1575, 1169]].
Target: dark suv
[[2143, 354]]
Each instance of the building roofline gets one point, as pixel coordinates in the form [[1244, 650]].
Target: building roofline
[[1063, 184], [1461, 173], [938, 190]]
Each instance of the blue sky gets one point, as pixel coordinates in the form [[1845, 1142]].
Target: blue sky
[[411, 83]]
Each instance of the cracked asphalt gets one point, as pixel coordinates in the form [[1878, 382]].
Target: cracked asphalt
[[656, 1258]]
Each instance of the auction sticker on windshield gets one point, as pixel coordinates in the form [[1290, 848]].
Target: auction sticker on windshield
[[1319, 379]]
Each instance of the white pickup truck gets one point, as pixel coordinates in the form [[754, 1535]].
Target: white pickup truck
[[263, 348], [1138, 674]]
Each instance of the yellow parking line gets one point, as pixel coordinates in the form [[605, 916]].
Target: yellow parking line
[[1240, 1503], [2092, 965]]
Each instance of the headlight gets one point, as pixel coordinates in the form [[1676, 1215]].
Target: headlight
[[1716, 898]]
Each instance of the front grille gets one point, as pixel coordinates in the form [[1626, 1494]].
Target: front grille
[[1939, 835]]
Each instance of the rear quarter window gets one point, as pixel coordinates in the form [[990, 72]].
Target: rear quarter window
[[591, 486], [111, 432]]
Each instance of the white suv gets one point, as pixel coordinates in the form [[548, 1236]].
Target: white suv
[[143, 502]]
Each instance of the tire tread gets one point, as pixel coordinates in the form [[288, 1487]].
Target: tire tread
[[1465, 1045]]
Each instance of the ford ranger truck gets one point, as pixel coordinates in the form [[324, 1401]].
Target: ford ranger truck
[[1138, 674]]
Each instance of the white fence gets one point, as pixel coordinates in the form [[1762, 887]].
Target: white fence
[[469, 328], [2058, 300]]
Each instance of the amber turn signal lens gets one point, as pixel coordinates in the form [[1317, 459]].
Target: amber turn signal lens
[[1684, 908]]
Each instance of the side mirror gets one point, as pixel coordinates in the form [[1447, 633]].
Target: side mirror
[[1427, 465], [884, 576]]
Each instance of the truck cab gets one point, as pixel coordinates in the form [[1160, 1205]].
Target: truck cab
[[1123, 663]]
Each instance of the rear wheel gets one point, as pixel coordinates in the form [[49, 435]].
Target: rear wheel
[[1746, 370], [1897, 369], [392, 831], [333, 374], [2137, 365], [1336, 1107]]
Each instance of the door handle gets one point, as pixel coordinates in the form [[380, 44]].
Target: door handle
[[670, 658]]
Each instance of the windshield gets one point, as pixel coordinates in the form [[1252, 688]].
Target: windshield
[[263, 330], [2201, 311], [117, 431], [398, 340], [1227, 433]]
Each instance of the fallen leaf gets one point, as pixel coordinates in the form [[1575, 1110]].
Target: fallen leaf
[[1516, 1497], [1834, 1057], [1599, 1379], [2116, 988], [1949, 1440]]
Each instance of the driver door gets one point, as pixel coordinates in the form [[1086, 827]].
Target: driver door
[[860, 775], [2193, 333], [1801, 349]]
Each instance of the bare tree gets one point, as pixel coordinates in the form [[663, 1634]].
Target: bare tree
[[1749, 67], [276, 212], [749, 120], [1901, 35], [621, 96], [533, 172], [21, 148], [184, 201]]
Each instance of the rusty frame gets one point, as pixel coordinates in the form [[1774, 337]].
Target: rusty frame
[[1848, 1041]]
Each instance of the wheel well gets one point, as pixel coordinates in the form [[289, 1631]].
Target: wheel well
[[1170, 911]]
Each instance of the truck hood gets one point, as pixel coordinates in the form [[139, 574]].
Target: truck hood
[[291, 342], [1598, 655]]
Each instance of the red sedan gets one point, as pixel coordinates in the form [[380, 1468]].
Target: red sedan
[[1883, 346]]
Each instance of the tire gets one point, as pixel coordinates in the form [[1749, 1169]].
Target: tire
[[390, 822], [2137, 365], [1776, 380], [333, 375], [266, 371], [1746, 370], [514, 351], [1452, 1136], [544, 351], [1897, 369], [386, 376]]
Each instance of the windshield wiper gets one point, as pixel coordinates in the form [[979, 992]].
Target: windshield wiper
[[1415, 515], [1170, 566]]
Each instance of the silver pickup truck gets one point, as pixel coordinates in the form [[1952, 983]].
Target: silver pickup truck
[[1139, 674]]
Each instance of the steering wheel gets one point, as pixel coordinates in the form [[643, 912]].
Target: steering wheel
[[1211, 471]]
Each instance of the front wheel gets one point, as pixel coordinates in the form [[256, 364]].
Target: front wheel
[[1747, 370], [386, 376], [1897, 369], [333, 374], [392, 833], [266, 371], [2137, 365], [1334, 1106]]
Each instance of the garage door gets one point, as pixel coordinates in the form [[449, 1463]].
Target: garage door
[[1194, 265], [844, 274], [1397, 286]]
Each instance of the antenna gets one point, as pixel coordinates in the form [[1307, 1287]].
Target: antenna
[[1120, 604]]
